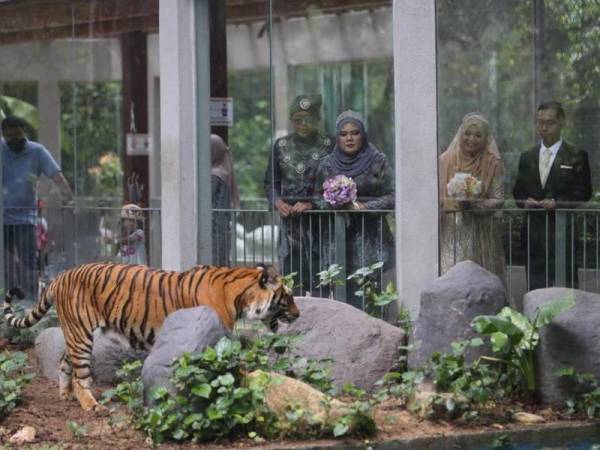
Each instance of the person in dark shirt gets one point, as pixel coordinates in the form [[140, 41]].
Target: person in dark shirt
[[289, 186], [552, 174]]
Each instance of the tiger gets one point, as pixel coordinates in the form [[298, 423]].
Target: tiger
[[134, 301]]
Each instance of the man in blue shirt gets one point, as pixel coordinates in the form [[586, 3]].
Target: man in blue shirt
[[23, 161]]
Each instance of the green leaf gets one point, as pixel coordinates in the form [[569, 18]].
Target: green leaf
[[499, 341], [203, 390], [546, 313], [564, 372], [493, 324], [340, 429], [226, 380]]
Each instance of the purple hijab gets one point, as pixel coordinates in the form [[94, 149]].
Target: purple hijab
[[352, 165]]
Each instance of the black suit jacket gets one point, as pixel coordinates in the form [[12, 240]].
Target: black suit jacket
[[569, 184]]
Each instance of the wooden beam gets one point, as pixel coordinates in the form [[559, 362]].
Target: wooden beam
[[113, 28]]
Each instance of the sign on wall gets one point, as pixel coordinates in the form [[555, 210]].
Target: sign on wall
[[221, 111], [138, 144]]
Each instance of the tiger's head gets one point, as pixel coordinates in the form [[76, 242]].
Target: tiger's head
[[278, 305]]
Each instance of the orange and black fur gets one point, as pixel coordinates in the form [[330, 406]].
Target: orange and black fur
[[135, 300]]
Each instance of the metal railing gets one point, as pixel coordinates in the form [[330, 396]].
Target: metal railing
[[66, 236], [61, 238], [311, 243], [540, 248]]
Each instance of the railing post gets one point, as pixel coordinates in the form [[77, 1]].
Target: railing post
[[560, 234], [339, 226]]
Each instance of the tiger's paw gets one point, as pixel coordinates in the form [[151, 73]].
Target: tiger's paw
[[66, 395], [101, 410]]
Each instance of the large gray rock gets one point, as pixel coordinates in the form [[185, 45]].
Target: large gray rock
[[572, 339], [449, 305], [184, 331], [362, 348], [110, 352]]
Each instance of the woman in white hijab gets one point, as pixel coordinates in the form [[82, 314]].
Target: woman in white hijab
[[470, 229], [225, 195]]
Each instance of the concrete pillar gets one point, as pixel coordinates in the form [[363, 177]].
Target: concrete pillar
[[416, 148], [178, 134]]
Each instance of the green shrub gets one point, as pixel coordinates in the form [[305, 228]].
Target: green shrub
[[214, 400], [13, 378]]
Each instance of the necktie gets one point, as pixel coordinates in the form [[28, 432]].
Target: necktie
[[545, 165]]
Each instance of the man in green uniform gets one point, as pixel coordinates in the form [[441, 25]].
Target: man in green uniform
[[289, 186]]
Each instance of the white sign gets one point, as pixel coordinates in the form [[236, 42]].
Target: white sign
[[138, 144], [221, 111]]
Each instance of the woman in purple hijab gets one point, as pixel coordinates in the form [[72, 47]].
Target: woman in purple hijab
[[368, 235]]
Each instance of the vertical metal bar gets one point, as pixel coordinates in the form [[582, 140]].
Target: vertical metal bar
[[584, 251], [597, 253], [362, 253], [509, 278], [3, 281], [547, 254], [321, 253], [340, 253], [560, 254], [573, 265], [528, 237], [301, 254], [310, 253]]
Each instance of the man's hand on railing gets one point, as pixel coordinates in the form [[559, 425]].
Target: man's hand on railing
[[548, 203], [284, 209], [531, 203], [300, 207]]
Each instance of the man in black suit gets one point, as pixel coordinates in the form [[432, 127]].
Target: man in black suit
[[552, 175]]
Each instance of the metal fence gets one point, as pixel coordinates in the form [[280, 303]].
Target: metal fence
[[540, 248], [67, 236], [64, 237]]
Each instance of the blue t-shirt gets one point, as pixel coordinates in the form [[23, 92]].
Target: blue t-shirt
[[20, 173]]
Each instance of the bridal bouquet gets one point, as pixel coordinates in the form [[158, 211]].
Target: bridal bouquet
[[464, 186], [339, 190]]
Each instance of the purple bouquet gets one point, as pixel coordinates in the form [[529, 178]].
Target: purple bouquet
[[339, 190]]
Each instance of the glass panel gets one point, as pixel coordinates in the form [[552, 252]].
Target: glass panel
[[77, 71], [243, 233], [515, 57]]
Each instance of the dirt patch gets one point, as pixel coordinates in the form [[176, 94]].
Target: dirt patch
[[43, 410]]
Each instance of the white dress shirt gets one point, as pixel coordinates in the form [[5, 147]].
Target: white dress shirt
[[554, 149]]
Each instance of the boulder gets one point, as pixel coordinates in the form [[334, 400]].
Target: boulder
[[184, 331], [362, 348], [572, 340], [284, 393], [449, 305], [111, 350]]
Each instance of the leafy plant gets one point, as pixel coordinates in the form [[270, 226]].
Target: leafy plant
[[515, 337], [376, 300], [13, 378], [330, 278], [588, 399], [76, 429], [213, 399], [290, 279]]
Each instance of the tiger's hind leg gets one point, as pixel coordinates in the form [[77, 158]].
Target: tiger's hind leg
[[79, 348], [65, 378]]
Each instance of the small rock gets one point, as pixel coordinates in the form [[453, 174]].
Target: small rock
[[498, 426], [528, 418], [24, 435]]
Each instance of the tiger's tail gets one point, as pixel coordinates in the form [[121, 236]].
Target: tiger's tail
[[34, 316]]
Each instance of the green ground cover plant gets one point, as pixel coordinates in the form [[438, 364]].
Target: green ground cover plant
[[214, 400], [463, 390], [13, 378]]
